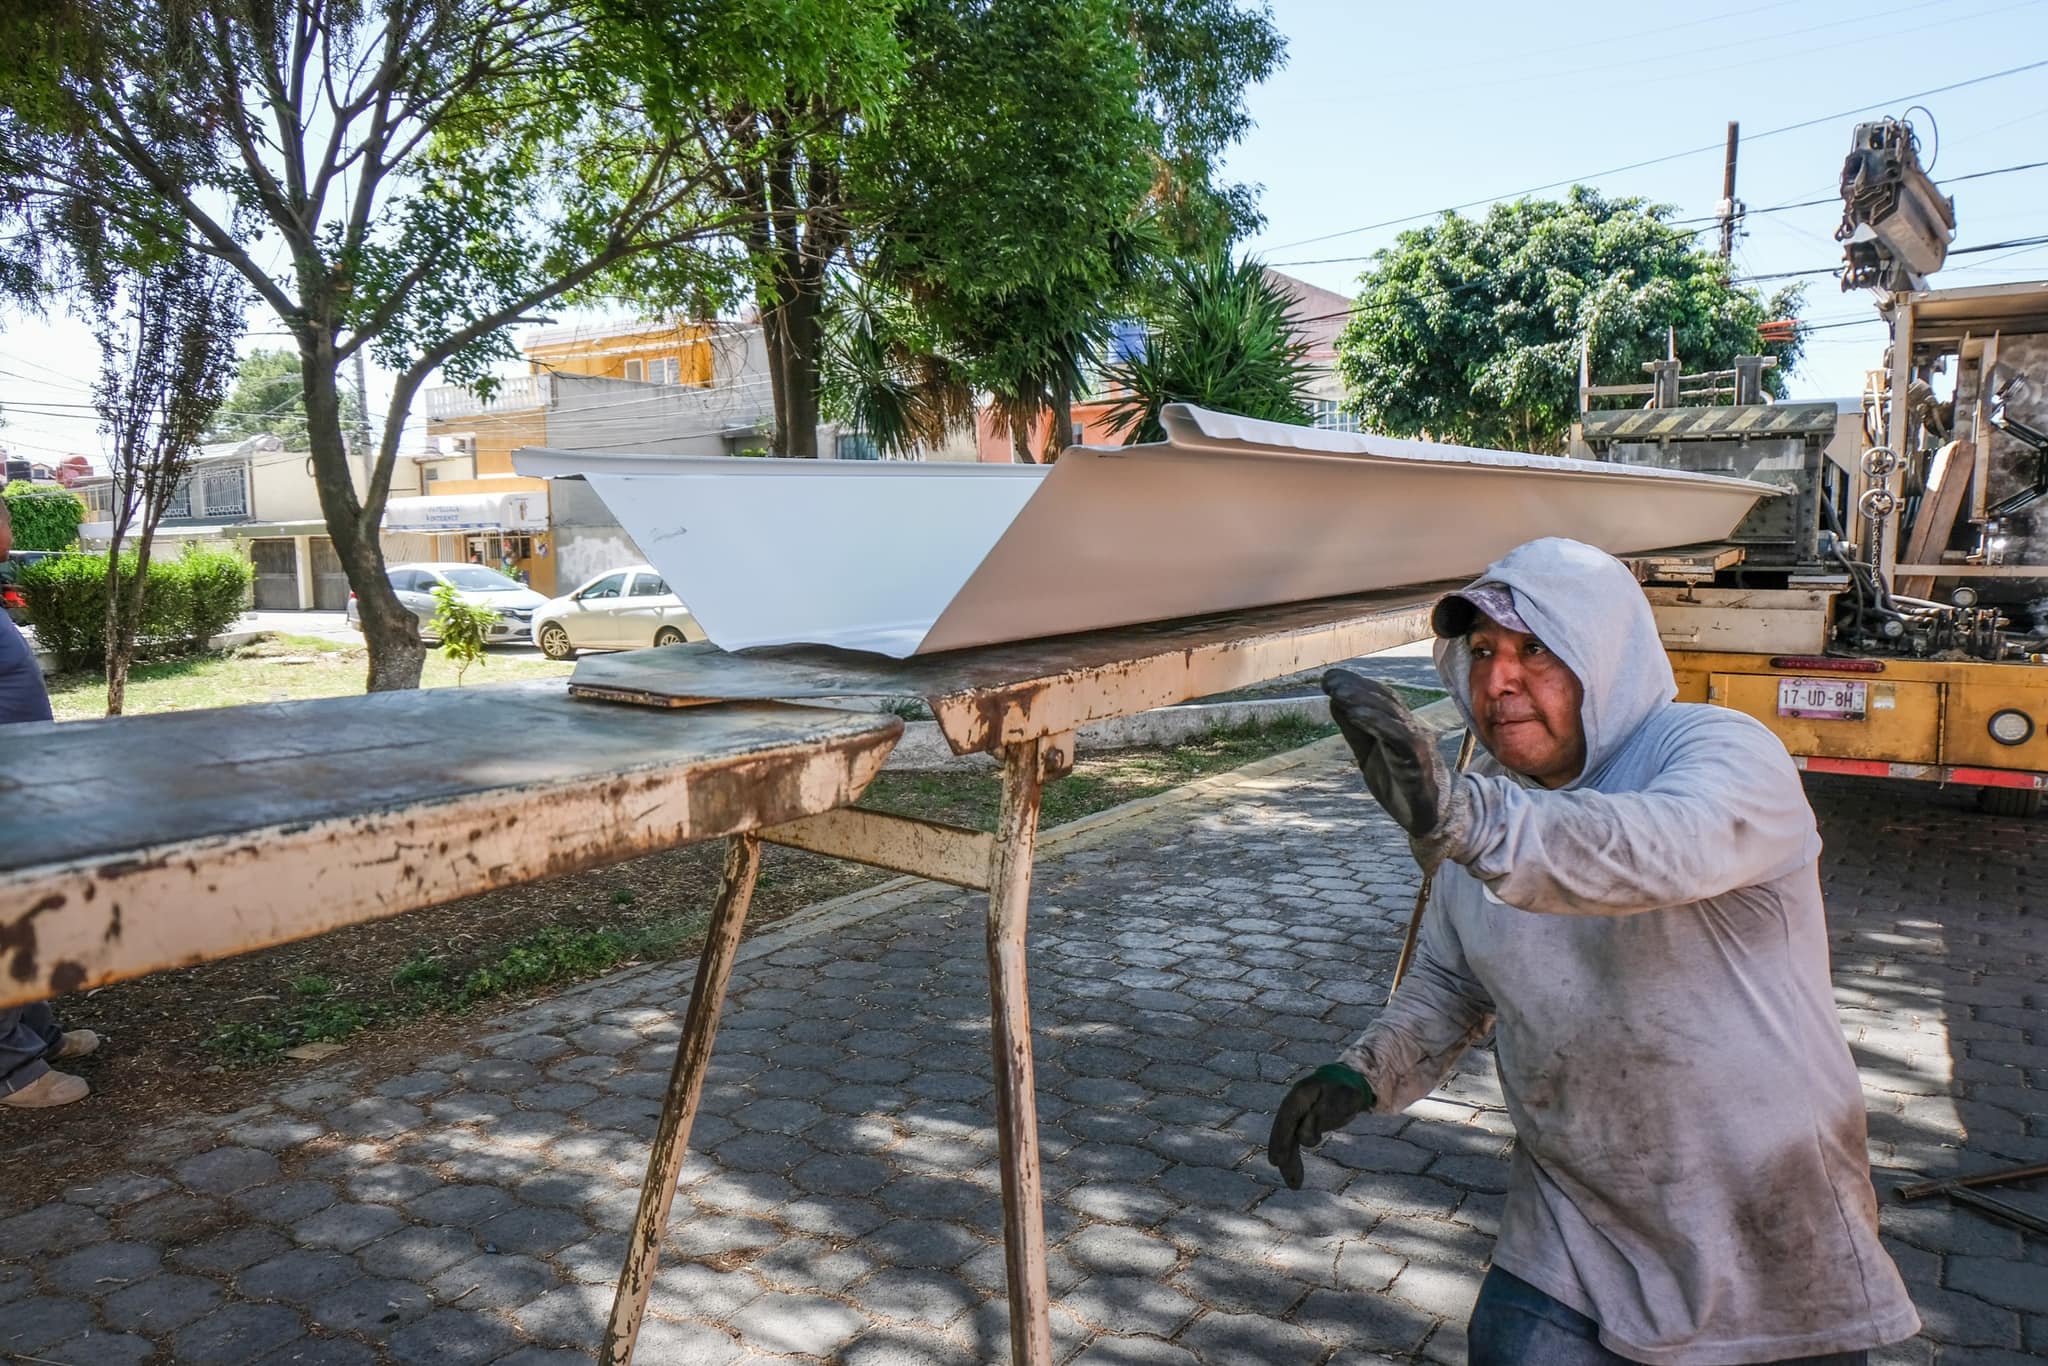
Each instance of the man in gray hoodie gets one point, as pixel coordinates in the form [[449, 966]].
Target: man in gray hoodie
[[1628, 896]]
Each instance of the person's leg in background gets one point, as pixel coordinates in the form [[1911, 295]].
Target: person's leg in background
[[30, 1038]]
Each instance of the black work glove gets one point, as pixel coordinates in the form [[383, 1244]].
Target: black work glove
[[1398, 756], [1328, 1098]]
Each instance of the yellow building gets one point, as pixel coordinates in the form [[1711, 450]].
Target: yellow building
[[471, 439]]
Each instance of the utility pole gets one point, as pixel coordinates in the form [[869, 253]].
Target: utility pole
[[363, 416], [1731, 209]]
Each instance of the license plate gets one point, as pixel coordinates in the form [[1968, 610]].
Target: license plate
[[1823, 699]]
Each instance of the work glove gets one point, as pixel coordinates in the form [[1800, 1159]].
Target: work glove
[[1398, 756], [1328, 1098]]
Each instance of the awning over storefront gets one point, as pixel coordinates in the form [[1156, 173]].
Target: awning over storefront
[[468, 512]]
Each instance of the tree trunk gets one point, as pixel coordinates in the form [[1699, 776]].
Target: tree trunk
[[793, 332], [803, 338], [127, 615], [1020, 442], [117, 658], [1062, 429], [390, 632]]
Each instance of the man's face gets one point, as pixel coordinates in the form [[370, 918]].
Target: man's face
[[1527, 704]]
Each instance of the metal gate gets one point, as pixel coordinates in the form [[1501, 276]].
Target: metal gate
[[277, 575], [330, 583]]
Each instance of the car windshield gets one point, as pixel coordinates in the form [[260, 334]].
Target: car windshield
[[477, 579]]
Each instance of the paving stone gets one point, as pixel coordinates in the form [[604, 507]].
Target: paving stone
[[536, 1232], [1118, 1250], [106, 1193], [346, 1226], [922, 1295], [1134, 1351], [891, 1346], [372, 1306], [546, 1356], [490, 1281], [453, 1337], [236, 1334], [460, 1206], [809, 1324], [283, 1202], [417, 1253], [569, 1315], [224, 1171], [670, 1342], [96, 1269], [16, 1283], [391, 1182], [160, 1303], [297, 1277], [1221, 1337], [312, 1351], [54, 1225], [42, 1321], [231, 1251], [2013, 1284], [102, 1349], [1131, 1304]]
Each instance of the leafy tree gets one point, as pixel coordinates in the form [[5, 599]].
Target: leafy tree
[[1222, 339], [772, 94], [270, 397], [986, 161], [167, 347], [410, 176], [1470, 330]]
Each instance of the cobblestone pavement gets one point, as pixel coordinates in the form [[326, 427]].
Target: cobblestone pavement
[[1188, 958]]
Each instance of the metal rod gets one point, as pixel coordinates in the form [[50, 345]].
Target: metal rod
[[1996, 1177], [679, 1108], [1998, 1209], [1465, 748], [1010, 1043], [1728, 209]]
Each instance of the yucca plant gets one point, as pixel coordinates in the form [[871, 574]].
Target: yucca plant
[[1222, 338], [882, 377]]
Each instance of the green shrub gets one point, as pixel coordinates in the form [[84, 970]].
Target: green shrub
[[44, 518], [186, 600], [218, 582]]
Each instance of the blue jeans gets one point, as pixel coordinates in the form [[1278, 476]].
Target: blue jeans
[[29, 1036], [1515, 1324]]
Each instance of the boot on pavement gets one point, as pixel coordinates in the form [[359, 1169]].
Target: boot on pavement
[[50, 1089]]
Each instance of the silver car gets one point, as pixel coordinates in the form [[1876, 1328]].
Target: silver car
[[627, 609], [475, 584]]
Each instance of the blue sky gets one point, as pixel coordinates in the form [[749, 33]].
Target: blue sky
[[1388, 111], [1383, 112]]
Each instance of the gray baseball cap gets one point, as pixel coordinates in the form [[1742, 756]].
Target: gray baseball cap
[[1456, 614]]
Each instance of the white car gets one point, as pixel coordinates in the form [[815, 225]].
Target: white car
[[474, 584], [627, 609]]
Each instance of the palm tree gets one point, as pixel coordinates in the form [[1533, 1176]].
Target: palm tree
[[1221, 338]]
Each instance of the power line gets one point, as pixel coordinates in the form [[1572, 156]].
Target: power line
[[1671, 156]]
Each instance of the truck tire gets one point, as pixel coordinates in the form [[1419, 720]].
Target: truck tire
[[2009, 801]]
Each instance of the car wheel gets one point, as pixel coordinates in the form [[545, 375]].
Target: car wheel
[[554, 642], [668, 635]]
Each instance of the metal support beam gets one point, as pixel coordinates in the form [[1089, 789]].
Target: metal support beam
[[679, 1108], [943, 853], [1024, 769]]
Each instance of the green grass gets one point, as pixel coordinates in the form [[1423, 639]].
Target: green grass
[[273, 669]]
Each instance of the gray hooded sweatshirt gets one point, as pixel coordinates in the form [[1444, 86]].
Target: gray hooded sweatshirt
[[1649, 945]]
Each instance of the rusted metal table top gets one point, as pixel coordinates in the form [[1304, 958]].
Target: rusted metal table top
[[996, 695], [140, 843]]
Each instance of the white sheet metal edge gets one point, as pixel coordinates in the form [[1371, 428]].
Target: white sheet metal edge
[[901, 558]]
